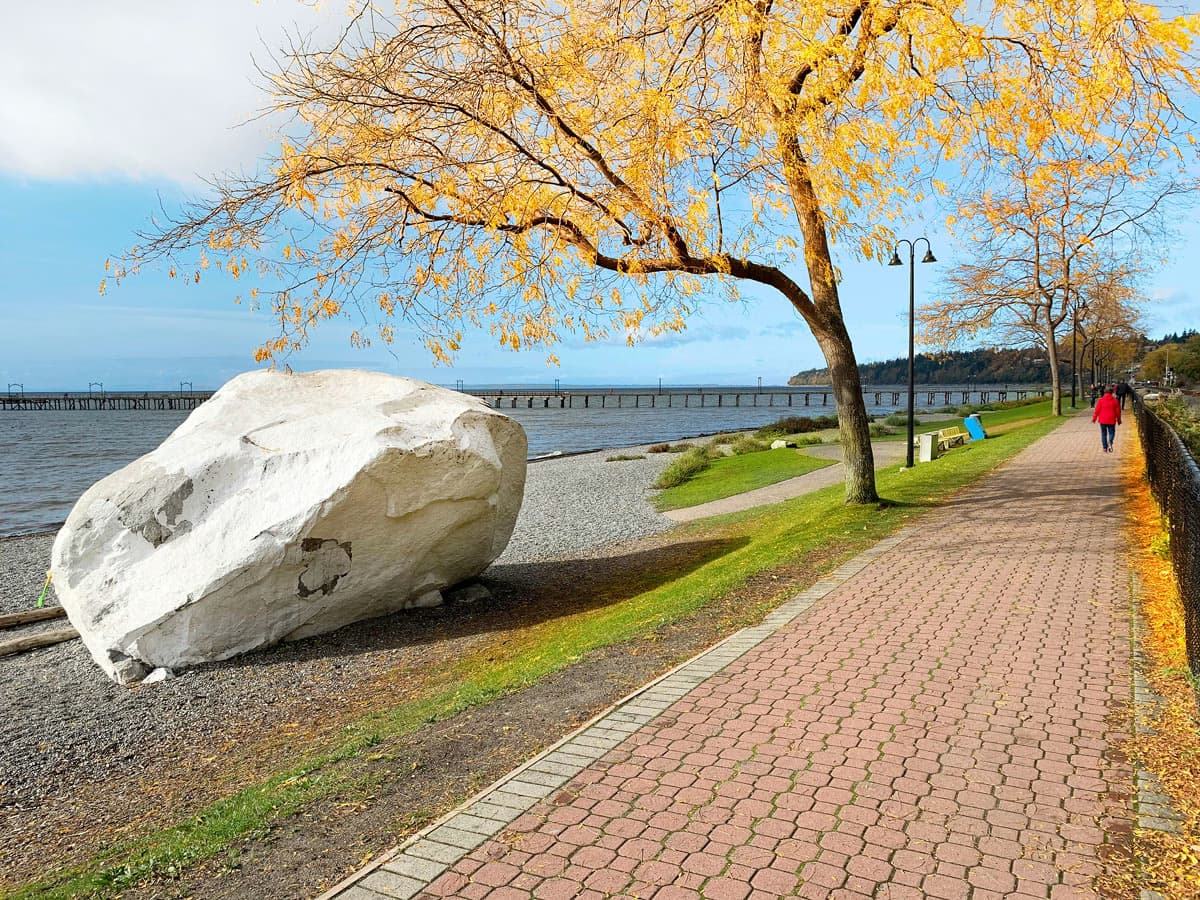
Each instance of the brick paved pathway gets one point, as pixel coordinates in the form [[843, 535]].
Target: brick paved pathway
[[935, 720]]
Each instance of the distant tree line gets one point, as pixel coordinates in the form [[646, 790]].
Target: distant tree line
[[1020, 366], [1181, 337], [1178, 353]]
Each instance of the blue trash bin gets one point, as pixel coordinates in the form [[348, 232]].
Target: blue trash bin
[[974, 427]]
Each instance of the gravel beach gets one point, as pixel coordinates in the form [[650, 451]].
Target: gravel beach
[[68, 730], [606, 501]]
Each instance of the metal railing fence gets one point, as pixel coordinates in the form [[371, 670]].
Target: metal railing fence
[[1175, 483]]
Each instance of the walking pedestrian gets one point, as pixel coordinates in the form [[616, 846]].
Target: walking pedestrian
[[1108, 414], [1122, 393]]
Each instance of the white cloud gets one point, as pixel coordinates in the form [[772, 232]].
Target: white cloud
[[141, 89], [1171, 296]]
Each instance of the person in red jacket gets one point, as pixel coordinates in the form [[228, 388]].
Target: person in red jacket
[[1108, 414]]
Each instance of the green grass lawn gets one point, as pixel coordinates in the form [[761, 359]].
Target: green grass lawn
[[990, 420], [731, 475], [726, 552]]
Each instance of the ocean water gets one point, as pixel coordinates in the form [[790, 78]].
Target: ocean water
[[48, 459]]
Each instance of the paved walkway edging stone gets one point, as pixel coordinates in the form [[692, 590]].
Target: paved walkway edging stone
[[403, 872], [1153, 808]]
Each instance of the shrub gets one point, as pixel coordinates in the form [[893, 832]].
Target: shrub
[[896, 419], [668, 448], [718, 439], [621, 457], [797, 425], [686, 467], [1184, 420], [964, 411], [749, 444], [880, 430], [808, 440], [1011, 404]]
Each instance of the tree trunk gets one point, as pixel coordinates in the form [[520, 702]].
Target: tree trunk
[[1055, 380], [34, 641], [25, 617], [828, 326], [854, 426]]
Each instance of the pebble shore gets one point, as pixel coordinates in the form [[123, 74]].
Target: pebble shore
[[66, 720]]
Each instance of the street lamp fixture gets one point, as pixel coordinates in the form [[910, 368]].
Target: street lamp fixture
[[896, 261], [1075, 312]]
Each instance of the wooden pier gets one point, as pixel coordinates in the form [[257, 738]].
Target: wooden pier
[[122, 400], [550, 398], [631, 398]]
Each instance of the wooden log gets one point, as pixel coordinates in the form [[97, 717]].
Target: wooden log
[[32, 615], [34, 641]]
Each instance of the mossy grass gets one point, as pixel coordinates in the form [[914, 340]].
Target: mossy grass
[[687, 466], [729, 550], [748, 443], [797, 425], [738, 474], [669, 448]]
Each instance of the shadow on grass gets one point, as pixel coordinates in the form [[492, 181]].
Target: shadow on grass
[[523, 595]]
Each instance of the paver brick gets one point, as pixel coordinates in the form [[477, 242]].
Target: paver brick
[[876, 738]]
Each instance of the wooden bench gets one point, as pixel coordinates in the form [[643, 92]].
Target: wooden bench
[[951, 437]]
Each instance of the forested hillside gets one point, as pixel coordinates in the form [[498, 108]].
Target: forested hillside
[[1023, 366]]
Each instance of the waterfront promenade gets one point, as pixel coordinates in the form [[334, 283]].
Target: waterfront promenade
[[939, 718]]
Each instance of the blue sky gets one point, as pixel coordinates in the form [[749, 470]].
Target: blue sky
[[111, 109]]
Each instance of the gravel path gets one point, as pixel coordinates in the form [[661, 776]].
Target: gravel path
[[23, 564], [66, 723], [578, 503]]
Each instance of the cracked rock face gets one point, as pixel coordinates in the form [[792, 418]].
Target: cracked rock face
[[288, 506]]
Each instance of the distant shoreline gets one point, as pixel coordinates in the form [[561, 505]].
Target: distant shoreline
[[536, 459]]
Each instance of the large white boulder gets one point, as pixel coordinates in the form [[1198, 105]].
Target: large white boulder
[[287, 506]]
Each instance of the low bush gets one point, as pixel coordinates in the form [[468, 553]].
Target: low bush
[[748, 444], [621, 457], [878, 429], [689, 465], [797, 425], [1013, 404], [1184, 420], [896, 419], [669, 448], [968, 408]]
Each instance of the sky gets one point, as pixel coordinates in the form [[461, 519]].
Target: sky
[[112, 112]]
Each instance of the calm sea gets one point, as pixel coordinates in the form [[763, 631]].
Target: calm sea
[[47, 459]]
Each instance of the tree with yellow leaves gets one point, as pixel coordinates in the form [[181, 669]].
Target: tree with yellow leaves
[[1110, 326], [590, 166], [1059, 227]]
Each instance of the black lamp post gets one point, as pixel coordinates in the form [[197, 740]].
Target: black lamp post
[[895, 261], [1075, 311]]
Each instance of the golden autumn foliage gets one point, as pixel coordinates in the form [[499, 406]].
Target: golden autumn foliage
[[1073, 199], [589, 166], [1169, 745]]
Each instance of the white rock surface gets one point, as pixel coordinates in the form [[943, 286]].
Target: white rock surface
[[781, 444], [286, 506]]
